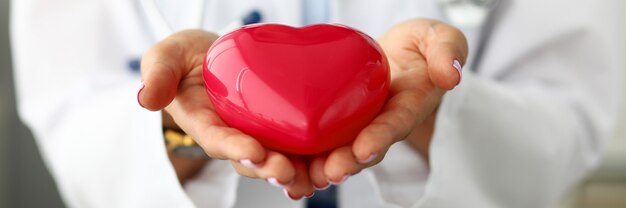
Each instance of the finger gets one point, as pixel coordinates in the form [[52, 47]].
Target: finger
[[277, 170], [400, 115], [338, 166], [220, 142], [341, 164], [165, 64], [316, 172], [301, 185]]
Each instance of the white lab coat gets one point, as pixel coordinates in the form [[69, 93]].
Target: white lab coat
[[518, 133]]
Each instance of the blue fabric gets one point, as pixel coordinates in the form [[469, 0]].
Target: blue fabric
[[324, 199], [252, 18]]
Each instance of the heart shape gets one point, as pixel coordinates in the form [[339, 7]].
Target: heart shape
[[297, 90]]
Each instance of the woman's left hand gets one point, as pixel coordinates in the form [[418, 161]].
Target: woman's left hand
[[425, 58]]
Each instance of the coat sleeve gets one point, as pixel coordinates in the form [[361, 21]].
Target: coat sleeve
[[532, 122], [78, 97]]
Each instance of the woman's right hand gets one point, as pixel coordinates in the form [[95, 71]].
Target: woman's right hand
[[172, 81]]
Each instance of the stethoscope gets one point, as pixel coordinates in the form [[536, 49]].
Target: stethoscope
[[469, 13]]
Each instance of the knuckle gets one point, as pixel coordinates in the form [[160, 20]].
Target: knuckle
[[382, 130]]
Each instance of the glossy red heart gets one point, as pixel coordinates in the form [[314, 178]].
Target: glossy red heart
[[297, 90]]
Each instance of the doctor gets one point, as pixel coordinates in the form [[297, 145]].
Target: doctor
[[527, 121]]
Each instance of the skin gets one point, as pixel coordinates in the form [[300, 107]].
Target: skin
[[420, 52]]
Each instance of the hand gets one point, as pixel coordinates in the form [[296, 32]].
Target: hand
[[422, 54], [172, 77]]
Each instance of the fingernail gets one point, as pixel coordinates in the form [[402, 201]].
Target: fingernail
[[248, 164], [340, 182], [457, 65], [369, 159], [139, 93], [289, 195], [322, 188], [310, 195], [274, 182]]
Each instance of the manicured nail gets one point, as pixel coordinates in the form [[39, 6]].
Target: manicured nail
[[457, 65], [340, 182], [310, 195], [274, 182], [322, 188], [248, 164], [289, 195], [139, 93], [369, 159]]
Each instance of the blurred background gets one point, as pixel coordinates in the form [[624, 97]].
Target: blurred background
[[25, 182]]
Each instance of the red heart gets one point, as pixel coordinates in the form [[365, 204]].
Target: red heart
[[297, 90]]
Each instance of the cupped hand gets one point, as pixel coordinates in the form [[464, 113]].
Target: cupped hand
[[425, 58], [421, 54], [172, 77]]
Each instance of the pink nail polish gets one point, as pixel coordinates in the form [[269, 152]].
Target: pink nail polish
[[289, 195], [310, 195], [322, 188], [274, 182], [369, 159], [139, 93], [340, 181], [457, 65], [248, 164]]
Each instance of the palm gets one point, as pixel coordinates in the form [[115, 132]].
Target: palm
[[193, 103]]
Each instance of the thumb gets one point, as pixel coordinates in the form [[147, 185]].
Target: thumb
[[169, 61], [445, 64], [445, 55]]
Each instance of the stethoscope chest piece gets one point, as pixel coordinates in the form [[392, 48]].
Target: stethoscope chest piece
[[467, 13]]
